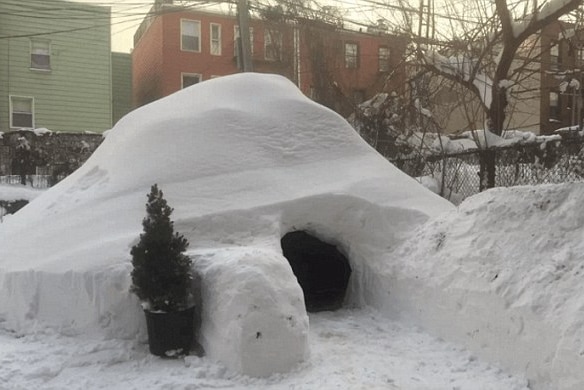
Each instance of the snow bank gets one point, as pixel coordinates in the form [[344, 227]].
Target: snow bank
[[241, 170], [503, 275]]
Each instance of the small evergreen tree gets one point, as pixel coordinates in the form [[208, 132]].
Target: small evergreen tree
[[162, 272]]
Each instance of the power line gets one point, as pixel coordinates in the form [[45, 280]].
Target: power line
[[139, 17]]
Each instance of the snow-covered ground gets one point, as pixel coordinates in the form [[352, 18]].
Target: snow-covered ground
[[351, 349], [498, 276]]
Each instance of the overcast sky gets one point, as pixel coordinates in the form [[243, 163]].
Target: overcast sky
[[126, 16]]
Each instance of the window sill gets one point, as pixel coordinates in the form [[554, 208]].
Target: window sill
[[40, 70]]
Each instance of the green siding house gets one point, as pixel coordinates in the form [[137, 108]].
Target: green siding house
[[55, 66]]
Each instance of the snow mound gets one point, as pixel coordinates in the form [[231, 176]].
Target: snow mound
[[503, 275], [243, 160]]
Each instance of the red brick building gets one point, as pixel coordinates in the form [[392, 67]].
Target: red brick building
[[175, 47]]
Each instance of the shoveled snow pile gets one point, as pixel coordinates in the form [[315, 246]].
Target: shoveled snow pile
[[243, 160], [503, 275]]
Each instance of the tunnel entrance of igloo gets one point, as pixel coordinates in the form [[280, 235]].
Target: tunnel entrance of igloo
[[322, 271]]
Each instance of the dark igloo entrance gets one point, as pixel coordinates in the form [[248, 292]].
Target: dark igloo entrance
[[322, 271]]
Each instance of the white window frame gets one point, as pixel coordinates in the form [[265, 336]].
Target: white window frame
[[236, 35], [268, 42], [351, 59], [182, 78], [11, 107], [198, 23], [215, 43], [47, 54]]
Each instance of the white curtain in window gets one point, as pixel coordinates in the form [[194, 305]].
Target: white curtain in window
[[190, 28], [21, 105]]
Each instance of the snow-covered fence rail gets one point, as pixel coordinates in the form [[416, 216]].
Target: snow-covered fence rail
[[35, 181], [456, 175]]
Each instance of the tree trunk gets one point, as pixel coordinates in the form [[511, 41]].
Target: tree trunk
[[496, 123], [488, 160]]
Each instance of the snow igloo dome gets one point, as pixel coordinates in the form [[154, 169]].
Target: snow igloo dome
[[244, 160]]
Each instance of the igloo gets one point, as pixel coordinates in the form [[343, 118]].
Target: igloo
[[243, 160]]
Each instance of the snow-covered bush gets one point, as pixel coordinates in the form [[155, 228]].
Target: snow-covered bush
[[162, 272]]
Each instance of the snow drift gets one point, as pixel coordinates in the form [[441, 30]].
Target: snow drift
[[243, 160], [502, 275]]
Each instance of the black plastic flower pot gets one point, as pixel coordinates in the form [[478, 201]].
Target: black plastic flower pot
[[170, 334]]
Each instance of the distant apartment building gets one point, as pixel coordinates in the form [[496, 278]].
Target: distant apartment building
[[176, 47], [549, 91], [56, 67], [562, 81]]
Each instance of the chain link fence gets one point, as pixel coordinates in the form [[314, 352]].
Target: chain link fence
[[456, 176]]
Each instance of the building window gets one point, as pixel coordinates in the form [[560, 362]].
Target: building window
[[383, 54], [580, 59], [555, 106], [351, 55], [40, 55], [190, 32], [189, 79], [236, 40], [272, 45], [21, 112], [555, 56], [215, 39]]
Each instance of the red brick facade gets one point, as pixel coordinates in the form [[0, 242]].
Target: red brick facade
[[333, 66]]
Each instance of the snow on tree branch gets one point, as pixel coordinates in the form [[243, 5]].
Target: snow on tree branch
[[549, 11], [462, 69]]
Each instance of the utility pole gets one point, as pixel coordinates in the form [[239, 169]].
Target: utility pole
[[426, 23], [244, 43]]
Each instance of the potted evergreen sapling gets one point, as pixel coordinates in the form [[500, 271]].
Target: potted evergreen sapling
[[161, 278]]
